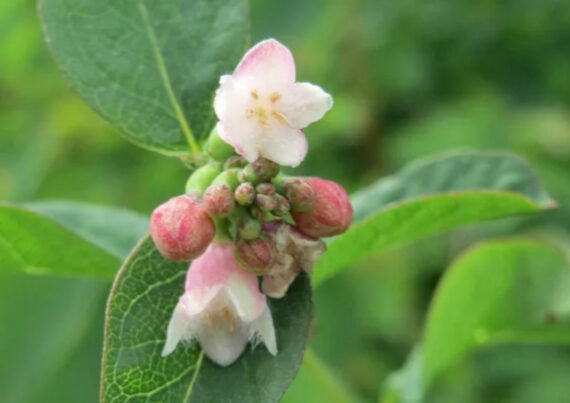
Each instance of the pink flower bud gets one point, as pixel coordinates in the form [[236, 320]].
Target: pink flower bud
[[181, 229], [265, 203], [265, 189], [332, 213], [300, 193], [256, 256], [219, 200], [245, 194]]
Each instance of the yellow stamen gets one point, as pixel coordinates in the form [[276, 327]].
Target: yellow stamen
[[275, 97], [254, 94], [227, 315], [281, 118]]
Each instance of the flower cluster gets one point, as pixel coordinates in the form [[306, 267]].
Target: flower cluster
[[240, 218]]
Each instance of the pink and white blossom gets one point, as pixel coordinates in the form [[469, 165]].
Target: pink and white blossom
[[262, 110], [222, 308]]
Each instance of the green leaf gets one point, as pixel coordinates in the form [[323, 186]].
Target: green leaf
[[149, 67], [432, 196], [64, 238], [318, 382], [141, 303], [51, 338], [405, 385], [513, 291], [115, 230]]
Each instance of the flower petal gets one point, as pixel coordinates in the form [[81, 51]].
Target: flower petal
[[220, 345], [244, 294], [284, 146], [262, 330], [178, 329], [305, 103], [269, 64], [240, 137]]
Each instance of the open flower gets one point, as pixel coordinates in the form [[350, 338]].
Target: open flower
[[221, 307], [296, 252], [262, 111]]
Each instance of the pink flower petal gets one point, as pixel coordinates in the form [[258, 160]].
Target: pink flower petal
[[268, 62]]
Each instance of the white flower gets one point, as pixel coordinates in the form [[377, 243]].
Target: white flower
[[222, 308], [262, 111], [296, 252]]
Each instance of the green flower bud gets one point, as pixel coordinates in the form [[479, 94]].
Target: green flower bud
[[203, 177], [228, 177], [248, 228], [248, 175], [245, 194], [235, 161], [218, 148], [265, 169]]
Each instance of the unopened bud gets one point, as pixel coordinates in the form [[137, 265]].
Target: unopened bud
[[203, 177], [331, 214], [181, 229], [282, 206], [245, 194], [218, 148], [247, 175], [265, 169], [257, 256], [228, 177], [248, 227], [300, 193], [219, 200], [265, 203], [265, 189], [257, 213], [235, 161]]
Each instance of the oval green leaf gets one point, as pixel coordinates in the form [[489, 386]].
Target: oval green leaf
[[149, 67], [142, 300], [66, 238], [499, 292], [431, 196]]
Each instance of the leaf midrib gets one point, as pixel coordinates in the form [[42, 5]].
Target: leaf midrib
[[161, 65]]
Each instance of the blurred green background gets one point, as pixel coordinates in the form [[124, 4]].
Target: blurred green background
[[410, 78]]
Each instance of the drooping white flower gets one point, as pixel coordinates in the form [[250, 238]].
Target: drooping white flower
[[262, 111], [222, 308], [296, 253]]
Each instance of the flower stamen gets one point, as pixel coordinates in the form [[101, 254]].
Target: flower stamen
[[275, 97], [280, 117], [254, 94]]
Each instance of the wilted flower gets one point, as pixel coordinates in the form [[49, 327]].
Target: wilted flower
[[332, 213], [262, 111], [221, 307], [181, 229], [296, 252]]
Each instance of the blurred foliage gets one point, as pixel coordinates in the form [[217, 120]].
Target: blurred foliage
[[409, 78]]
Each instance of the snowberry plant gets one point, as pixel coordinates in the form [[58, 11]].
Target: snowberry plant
[[216, 304], [241, 218]]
